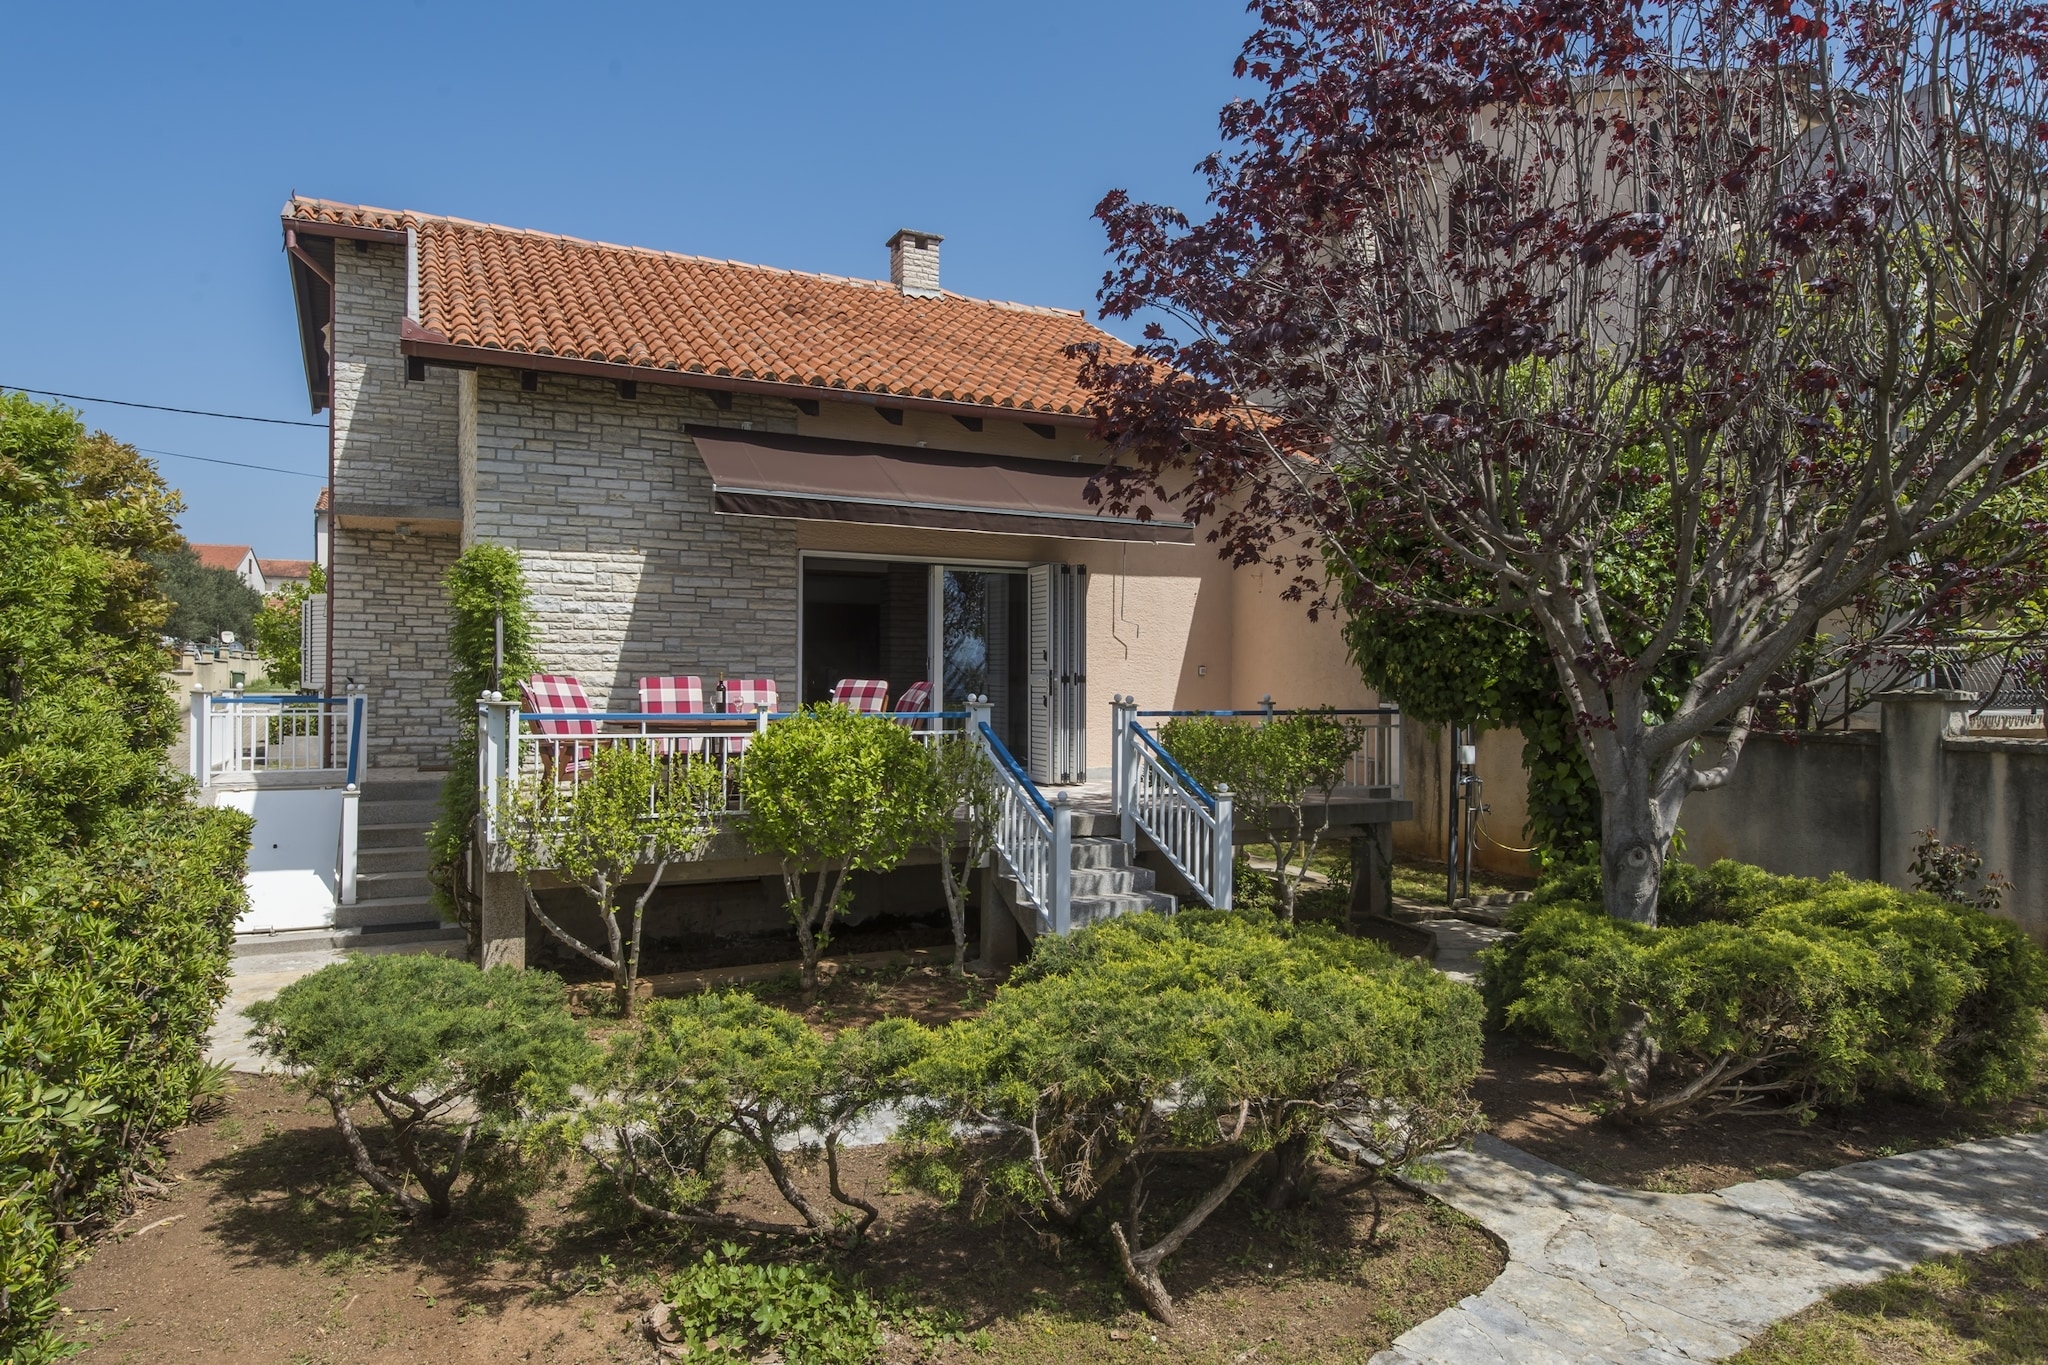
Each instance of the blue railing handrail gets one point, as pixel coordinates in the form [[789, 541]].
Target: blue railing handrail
[[1010, 765], [1174, 765], [674, 717], [355, 741], [1289, 711]]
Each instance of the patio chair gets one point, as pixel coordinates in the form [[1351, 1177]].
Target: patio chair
[[743, 697], [916, 697], [869, 696], [675, 695], [558, 692]]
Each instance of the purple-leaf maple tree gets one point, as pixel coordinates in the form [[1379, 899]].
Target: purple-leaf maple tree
[[1505, 291]]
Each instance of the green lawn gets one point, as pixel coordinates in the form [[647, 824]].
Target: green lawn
[[1985, 1308]]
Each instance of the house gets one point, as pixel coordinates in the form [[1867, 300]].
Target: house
[[277, 573], [239, 560], [737, 471]]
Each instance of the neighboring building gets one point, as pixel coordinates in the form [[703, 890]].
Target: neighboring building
[[724, 469], [238, 560], [279, 572], [320, 519]]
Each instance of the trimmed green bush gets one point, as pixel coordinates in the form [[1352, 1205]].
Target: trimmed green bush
[[117, 898], [1764, 991], [1210, 1040], [717, 1080], [444, 1053]]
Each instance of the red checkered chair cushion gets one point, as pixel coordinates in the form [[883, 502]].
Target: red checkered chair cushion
[[557, 692], [678, 695], [744, 696], [916, 697], [682, 695], [867, 695]]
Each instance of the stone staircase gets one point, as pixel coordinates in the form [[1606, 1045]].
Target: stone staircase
[[394, 908], [1107, 883]]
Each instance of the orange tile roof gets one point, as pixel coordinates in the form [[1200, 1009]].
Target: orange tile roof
[[282, 569], [324, 501], [545, 295], [227, 557]]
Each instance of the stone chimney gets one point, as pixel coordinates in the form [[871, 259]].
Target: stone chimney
[[914, 263]]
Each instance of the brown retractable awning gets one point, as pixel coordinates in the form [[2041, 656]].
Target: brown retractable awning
[[764, 474]]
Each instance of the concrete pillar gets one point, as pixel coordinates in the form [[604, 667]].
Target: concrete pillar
[[999, 934], [1371, 870], [503, 927], [1910, 777]]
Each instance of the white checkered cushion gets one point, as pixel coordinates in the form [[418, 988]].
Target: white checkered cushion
[[557, 692], [866, 695], [744, 696]]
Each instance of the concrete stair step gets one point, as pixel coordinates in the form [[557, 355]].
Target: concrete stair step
[[392, 885], [402, 835], [448, 939], [1101, 853], [402, 858], [371, 912], [1095, 909], [379, 791], [408, 812], [1104, 881]]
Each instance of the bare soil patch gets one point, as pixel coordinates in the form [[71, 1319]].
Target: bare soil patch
[[1542, 1100], [268, 1248]]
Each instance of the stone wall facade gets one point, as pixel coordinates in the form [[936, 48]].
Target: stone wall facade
[[395, 440], [631, 572], [392, 614]]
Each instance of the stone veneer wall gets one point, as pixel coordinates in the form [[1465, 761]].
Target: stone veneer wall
[[396, 456], [609, 506], [387, 590]]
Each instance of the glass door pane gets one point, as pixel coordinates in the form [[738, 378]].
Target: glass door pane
[[982, 652]]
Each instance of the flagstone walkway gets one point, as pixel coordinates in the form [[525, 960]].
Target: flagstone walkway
[[1597, 1274]]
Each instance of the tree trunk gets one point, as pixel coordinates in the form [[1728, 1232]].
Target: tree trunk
[[1638, 812]]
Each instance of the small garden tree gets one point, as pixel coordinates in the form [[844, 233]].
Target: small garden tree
[[711, 1080], [1208, 1041], [277, 631], [1275, 771], [964, 812], [626, 809], [831, 793], [444, 1052]]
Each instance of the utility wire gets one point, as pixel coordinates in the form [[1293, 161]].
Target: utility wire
[[208, 459], [158, 407]]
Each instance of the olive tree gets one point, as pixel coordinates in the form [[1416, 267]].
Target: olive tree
[[829, 793], [595, 824]]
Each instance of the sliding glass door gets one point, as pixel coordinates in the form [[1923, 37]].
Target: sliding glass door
[[981, 630]]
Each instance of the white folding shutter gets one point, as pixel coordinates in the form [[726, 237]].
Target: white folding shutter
[[1039, 762], [313, 643], [1070, 668]]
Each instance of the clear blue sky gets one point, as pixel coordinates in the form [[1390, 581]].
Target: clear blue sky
[[150, 147]]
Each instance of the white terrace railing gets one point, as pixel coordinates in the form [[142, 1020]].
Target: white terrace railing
[[521, 749], [1191, 827], [1034, 837], [237, 734], [1373, 772]]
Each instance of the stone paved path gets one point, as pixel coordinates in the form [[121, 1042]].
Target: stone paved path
[[1597, 1274]]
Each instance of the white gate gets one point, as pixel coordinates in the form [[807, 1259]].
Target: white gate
[[1059, 673]]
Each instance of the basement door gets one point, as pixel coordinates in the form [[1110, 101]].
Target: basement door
[[1059, 673]]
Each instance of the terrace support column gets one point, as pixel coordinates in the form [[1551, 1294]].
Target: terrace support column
[[999, 949], [502, 927]]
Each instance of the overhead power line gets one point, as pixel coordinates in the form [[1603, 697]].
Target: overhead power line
[[159, 407], [238, 464]]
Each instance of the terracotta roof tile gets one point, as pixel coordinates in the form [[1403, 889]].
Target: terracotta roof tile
[[278, 570], [540, 294], [324, 501]]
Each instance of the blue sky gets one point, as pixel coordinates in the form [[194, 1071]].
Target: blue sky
[[150, 148]]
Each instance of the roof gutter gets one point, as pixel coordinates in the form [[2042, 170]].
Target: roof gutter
[[415, 340]]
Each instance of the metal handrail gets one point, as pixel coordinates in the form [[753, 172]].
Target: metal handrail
[[1290, 711], [247, 733], [1187, 780], [1191, 827], [1374, 766], [1034, 838]]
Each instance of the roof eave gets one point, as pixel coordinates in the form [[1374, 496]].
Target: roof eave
[[416, 341]]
